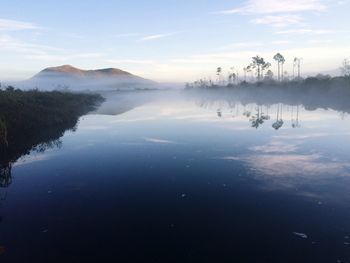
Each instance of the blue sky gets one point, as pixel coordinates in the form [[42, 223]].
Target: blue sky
[[171, 40]]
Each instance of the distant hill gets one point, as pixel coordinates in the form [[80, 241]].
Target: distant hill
[[69, 77]]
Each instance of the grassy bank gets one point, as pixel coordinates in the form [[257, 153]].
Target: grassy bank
[[29, 118]]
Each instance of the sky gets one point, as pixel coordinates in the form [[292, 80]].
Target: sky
[[171, 40]]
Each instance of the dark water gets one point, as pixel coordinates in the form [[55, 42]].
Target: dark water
[[167, 177]]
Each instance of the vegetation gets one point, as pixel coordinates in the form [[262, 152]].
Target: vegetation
[[265, 77], [35, 120]]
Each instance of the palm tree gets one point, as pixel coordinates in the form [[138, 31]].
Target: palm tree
[[280, 61]]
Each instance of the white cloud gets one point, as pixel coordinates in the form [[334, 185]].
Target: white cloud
[[281, 42], [279, 20], [161, 141], [127, 35], [63, 57], [130, 61], [243, 45], [277, 6], [155, 37], [303, 31], [16, 45], [13, 25], [42, 52]]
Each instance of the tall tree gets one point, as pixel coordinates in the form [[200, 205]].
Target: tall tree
[[280, 62], [260, 65], [297, 63]]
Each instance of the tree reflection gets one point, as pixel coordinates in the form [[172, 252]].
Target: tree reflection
[[257, 115], [279, 121], [5, 175], [15, 144], [295, 119]]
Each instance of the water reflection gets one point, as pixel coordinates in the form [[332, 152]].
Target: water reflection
[[39, 140], [173, 169], [228, 101], [5, 175], [285, 115]]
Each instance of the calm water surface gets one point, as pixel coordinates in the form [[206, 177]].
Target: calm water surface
[[167, 177]]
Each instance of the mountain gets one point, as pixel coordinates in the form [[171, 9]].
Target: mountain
[[69, 77]]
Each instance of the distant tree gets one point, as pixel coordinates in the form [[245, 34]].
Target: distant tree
[[269, 75], [10, 88], [345, 69], [233, 75], [232, 78], [297, 63], [260, 65], [245, 70], [218, 73], [323, 77], [280, 62]]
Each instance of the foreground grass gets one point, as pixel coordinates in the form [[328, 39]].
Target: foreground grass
[[28, 118]]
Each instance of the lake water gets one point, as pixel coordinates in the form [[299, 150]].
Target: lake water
[[175, 177]]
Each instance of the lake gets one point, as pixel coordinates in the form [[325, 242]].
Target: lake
[[172, 176]]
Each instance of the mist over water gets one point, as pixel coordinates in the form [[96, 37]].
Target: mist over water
[[187, 176]]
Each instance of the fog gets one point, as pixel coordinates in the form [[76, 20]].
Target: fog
[[55, 81]]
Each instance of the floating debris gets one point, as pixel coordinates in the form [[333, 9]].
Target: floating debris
[[183, 195], [302, 235]]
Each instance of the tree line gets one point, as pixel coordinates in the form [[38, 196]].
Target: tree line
[[263, 73]]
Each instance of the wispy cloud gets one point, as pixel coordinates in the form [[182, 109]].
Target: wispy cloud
[[276, 6], [303, 31], [155, 37], [13, 25], [243, 45], [281, 42], [42, 52], [64, 57], [161, 141], [279, 20], [130, 61], [9, 43], [126, 35]]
